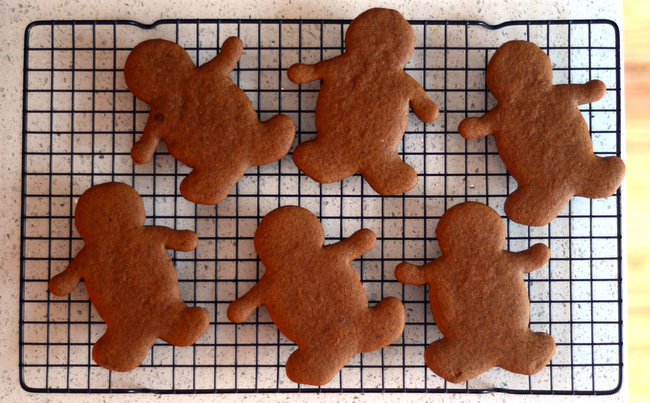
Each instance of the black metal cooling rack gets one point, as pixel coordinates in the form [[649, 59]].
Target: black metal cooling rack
[[79, 122]]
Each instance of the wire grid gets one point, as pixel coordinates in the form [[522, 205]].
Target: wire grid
[[80, 122]]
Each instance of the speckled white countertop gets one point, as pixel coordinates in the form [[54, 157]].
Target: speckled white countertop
[[15, 15]]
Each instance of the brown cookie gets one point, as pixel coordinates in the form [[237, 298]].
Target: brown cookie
[[129, 277], [363, 105], [315, 297], [479, 299], [541, 135], [208, 123]]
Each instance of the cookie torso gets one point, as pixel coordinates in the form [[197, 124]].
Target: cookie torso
[[209, 118], [117, 277], [542, 143], [316, 297], [363, 133], [487, 300]]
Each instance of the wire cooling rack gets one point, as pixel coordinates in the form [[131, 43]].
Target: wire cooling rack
[[80, 121]]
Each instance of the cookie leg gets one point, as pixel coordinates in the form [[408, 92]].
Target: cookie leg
[[211, 186], [602, 178], [536, 206], [383, 325], [321, 163], [455, 362], [316, 366], [529, 356], [389, 177], [122, 353], [273, 140], [188, 326]]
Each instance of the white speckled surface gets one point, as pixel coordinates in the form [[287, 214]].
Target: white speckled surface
[[15, 15]]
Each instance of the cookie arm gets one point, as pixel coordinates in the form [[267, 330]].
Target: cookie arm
[[301, 73], [244, 306], [63, 283], [424, 108], [408, 273], [533, 258], [228, 57], [356, 245], [588, 92], [143, 150], [473, 128], [182, 240]]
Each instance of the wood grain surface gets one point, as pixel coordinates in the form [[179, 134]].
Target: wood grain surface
[[636, 48]]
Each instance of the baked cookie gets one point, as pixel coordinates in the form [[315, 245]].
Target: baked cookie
[[363, 105], [129, 276], [478, 298], [541, 135], [208, 123], [315, 297]]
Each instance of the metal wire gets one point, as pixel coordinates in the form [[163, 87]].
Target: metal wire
[[80, 121]]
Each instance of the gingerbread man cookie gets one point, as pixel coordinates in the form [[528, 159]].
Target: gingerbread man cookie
[[478, 298], [363, 105], [315, 297], [541, 135], [208, 123], [129, 277]]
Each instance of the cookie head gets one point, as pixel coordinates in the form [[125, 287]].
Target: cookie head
[[286, 231], [517, 66], [104, 209], [381, 34], [156, 67], [470, 226]]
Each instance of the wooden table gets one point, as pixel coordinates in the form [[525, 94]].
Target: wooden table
[[636, 47]]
